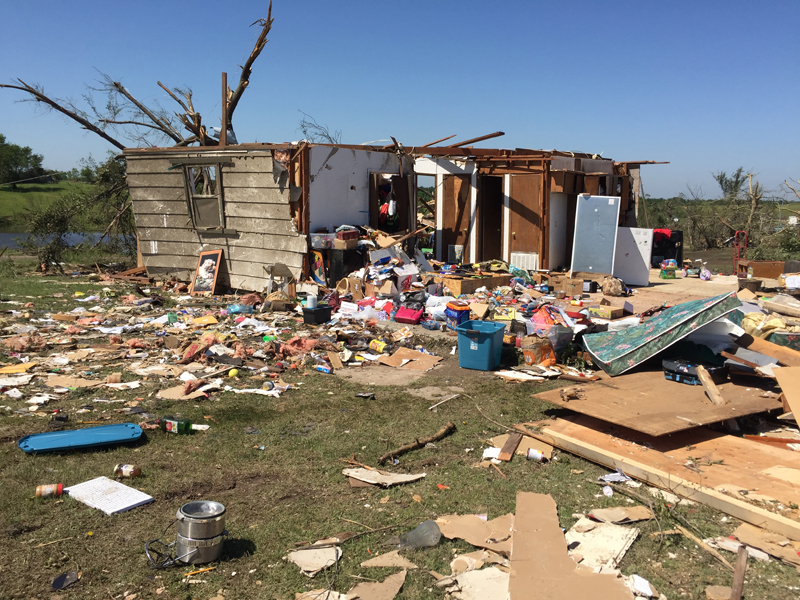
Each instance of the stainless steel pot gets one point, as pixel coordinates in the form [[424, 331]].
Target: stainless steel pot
[[198, 552], [201, 520]]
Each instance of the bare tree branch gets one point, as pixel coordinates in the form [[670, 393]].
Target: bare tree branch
[[796, 193], [247, 69], [39, 96], [150, 125], [165, 126]]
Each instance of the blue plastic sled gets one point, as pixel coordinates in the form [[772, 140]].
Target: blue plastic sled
[[104, 435]]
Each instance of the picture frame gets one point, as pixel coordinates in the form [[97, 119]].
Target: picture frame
[[205, 277]]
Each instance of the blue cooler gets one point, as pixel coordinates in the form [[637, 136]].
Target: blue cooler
[[480, 344]]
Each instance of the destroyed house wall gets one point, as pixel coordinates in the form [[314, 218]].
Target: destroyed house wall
[[338, 191], [258, 228]]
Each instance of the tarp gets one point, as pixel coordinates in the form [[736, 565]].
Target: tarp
[[618, 351]]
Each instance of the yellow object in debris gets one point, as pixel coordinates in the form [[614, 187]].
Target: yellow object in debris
[[20, 368], [233, 373], [207, 320]]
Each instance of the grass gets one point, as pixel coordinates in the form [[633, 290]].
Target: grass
[[15, 203], [292, 490]]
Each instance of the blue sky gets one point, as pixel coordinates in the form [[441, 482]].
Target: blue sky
[[707, 85]]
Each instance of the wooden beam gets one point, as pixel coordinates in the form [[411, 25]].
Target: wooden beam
[[737, 587], [710, 387], [739, 359], [730, 505], [428, 145], [477, 139], [511, 445], [223, 132], [785, 356]]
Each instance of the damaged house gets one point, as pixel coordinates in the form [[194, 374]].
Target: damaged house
[[261, 203]]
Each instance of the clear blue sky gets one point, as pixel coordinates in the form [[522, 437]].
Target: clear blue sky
[[706, 85]]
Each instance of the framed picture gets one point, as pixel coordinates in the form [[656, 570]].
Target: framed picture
[[205, 277]]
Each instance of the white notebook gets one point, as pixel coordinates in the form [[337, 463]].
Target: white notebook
[[108, 495]]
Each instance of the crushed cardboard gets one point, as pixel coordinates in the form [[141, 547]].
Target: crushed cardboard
[[382, 478]]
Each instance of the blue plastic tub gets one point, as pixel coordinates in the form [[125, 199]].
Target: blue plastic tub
[[480, 344]]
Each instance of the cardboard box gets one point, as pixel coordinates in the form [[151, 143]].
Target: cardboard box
[[606, 312], [345, 244], [571, 287]]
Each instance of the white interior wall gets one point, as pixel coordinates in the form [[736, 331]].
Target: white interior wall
[[339, 184], [558, 230]]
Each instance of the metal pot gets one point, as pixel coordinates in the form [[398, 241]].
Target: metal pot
[[201, 520], [198, 552]]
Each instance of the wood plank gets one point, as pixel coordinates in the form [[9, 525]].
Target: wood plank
[[247, 179], [737, 587], [709, 386], [785, 356], [231, 252], [161, 194], [260, 195], [789, 380], [660, 462], [291, 242], [336, 362], [258, 210], [170, 179], [161, 207], [508, 449], [637, 401]]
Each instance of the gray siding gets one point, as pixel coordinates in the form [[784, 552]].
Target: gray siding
[[255, 208]]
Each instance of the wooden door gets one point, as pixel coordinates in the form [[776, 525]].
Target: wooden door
[[525, 203], [456, 212], [490, 218]]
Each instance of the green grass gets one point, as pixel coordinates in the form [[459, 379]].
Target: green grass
[[293, 490], [15, 203]]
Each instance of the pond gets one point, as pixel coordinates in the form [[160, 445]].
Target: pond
[[13, 239]]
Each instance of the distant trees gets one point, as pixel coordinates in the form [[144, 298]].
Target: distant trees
[[18, 162]]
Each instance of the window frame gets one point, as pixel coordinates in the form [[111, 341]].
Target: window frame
[[198, 163]]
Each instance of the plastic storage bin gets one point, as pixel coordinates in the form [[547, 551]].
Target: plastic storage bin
[[480, 344], [315, 316], [322, 241]]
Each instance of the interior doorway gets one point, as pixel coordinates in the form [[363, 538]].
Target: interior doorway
[[490, 217]]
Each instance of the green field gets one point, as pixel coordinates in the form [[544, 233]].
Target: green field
[[15, 203]]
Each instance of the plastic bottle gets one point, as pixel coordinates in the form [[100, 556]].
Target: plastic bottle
[[268, 385], [46, 491], [240, 309], [174, 425], [750, 272], [426, 534], [377, 346], [172, 318], [127, 471]]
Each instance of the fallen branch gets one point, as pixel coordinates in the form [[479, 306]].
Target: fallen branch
[[419, 443], [705, 546]]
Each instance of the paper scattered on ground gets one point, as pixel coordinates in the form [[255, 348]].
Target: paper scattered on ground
[[176, 393], [320, 594], [726, 543], [71, 382], [473, 561], [600, 545], [641, 587], [390, 559], [621, 514], [517, 376], [381, 478], [313, 560], [487, 584], [15, 381], [405, 358], [108, 495], [493, 535], [382, 590], [540, 561]]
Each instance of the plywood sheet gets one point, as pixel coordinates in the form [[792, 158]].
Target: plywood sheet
[[789, 380], [648, 403], [716, 460], [540, 562]]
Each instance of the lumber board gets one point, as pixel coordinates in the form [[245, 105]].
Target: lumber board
[[661, 462], [645, 401], [709, 386], [789, 380], [158, 194], [785, 356], [510, 446]]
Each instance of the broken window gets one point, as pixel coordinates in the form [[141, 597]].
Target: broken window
[[204, 193]]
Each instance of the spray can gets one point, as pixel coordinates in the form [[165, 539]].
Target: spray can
[[534, 454], [127, 471], [377, 345], [46, 491]]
